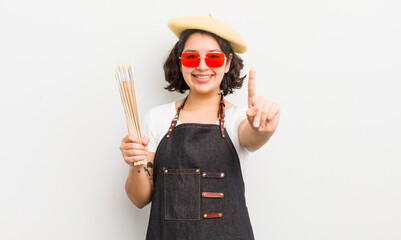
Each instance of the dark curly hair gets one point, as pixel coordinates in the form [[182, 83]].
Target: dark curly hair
[[172, 65]]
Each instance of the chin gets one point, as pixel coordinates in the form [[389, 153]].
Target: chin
[[205, 90]]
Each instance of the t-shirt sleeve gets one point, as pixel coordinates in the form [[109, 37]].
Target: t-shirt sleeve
[[241, 115], [234, 118], [149, 130]]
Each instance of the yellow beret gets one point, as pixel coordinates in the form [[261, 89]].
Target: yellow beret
[[210, 24]]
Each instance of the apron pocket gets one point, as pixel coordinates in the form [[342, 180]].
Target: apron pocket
[[181, 194]]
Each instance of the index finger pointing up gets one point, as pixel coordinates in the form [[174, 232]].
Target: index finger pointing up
[[251, 85]]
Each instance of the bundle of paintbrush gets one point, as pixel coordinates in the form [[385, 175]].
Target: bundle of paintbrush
[[126, 84]]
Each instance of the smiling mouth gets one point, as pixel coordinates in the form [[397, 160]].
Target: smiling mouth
[[203, 77]]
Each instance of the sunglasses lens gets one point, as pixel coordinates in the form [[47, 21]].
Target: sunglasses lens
[[190, 59], [214, 60]]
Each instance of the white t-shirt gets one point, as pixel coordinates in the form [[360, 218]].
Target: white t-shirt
[[157, 120]]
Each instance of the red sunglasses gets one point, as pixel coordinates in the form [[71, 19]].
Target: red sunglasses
[[212, 60]]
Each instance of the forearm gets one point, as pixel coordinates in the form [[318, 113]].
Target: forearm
[[139, 186]]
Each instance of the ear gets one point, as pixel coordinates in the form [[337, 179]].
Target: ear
[[227, 67]]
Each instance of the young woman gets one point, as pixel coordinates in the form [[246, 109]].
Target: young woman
[[194, 147]]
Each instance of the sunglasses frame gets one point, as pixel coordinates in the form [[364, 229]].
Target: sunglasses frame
[[206, 57]]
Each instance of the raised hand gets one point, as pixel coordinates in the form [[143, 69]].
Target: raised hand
[[263, 115]]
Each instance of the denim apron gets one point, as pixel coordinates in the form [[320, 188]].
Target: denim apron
[[199, 189]]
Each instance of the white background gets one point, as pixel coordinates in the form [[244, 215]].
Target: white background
[[331, 171]]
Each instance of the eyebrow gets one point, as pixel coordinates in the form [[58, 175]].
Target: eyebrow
[[213, 50]]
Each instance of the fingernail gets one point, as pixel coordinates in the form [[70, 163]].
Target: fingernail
[[256, 124], [260, 128]]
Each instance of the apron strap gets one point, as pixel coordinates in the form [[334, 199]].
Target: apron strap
[[175, 119], [221, 116]]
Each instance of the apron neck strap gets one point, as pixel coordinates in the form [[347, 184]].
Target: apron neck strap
[[220, 114]]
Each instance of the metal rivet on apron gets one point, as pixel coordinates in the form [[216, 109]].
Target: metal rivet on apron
[[222, 175], [203, 194], [222, 194], [220, 214], [204, 174], [197, 170], [166, 171], [205, 215]]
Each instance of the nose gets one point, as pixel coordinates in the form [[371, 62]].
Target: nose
[[202, 65]]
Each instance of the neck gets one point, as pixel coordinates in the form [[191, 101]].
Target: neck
[[202, 101]]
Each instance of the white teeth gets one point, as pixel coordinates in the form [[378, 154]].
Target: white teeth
[[203, 77]]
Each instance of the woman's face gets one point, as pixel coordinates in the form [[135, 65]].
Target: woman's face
[[203, 79]]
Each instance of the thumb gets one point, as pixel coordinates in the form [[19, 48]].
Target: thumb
[[145, 141]]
